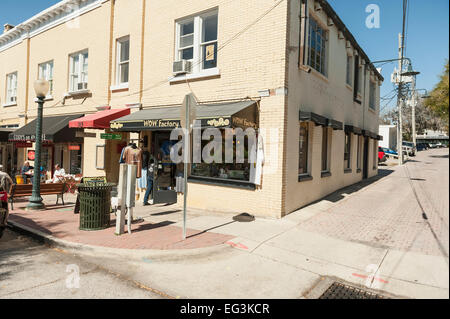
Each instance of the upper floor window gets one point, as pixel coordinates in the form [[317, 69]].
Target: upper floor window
[[11, 88], [317, 47], [79, 71], [372, 94], [360, 79], [197, 41], [349, 70], [46, 73], [123, 60]]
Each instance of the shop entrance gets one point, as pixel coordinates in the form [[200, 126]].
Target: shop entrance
[[366, 158], [164, 179]]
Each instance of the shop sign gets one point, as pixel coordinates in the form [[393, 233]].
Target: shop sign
[[31, 155], [74, 147], [84, 134], [109, 136], [23, 145], [162, 123]]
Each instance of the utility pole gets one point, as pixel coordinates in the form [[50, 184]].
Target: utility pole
[[413, 105], [400, 102]]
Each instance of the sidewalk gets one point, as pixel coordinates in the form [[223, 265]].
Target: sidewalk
[[389, 233], [153, 233]]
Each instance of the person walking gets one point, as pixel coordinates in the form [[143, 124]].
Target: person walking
[[5, 180], [150, 172]]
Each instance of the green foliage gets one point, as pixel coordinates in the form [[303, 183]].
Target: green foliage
[[439, 98]]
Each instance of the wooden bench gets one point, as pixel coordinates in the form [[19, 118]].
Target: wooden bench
[[23, 190]]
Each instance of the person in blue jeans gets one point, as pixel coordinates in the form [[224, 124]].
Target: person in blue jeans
[[151, 166]]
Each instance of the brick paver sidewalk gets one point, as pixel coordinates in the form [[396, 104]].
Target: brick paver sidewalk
[[389, 213], [61, 222]]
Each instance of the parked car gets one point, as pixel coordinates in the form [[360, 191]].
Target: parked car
[[422, 147], [3, 211], [381, 155], [389, 153], [409, 148]]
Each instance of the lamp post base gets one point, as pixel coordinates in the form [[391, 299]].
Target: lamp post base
[[35, 205]]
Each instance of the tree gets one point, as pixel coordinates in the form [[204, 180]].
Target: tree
[[439, 98], [426, 119]]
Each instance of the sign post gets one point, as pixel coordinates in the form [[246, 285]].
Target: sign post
[[187, 117]]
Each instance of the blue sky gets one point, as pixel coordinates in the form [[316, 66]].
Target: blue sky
[[427, 42]]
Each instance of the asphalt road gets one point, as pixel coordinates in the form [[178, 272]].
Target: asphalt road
[[29, 269]]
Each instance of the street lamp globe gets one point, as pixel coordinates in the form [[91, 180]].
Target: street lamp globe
[[410, 72], [41, 87]]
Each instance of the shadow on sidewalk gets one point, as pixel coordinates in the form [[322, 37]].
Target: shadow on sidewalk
[[339, 194], [145, 227]]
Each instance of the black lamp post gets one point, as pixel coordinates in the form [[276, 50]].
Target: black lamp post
[[41, 88]]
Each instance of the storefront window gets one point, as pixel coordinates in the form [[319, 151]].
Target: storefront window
[[348, 139], [75, 162], [324, 149], [303, 149], [223, 170]]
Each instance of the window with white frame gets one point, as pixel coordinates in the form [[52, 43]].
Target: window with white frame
[[11, 88], [372, 94], [349, 70], [79, 71], [317, 47], [197, 41], [46, 73], [123, 60]]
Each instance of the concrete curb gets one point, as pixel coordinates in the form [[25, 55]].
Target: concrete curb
[[146, 255]]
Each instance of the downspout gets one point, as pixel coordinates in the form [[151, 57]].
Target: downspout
[[303, 23], [364, 97], [111, 40], [141, 80]]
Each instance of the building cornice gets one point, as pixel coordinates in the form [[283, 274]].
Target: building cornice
[[57, 14]]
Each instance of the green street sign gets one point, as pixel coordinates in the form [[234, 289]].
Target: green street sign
[[109, 136]]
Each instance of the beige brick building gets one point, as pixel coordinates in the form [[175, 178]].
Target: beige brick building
[[292, 63]]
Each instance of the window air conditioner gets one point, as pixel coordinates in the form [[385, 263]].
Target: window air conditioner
[[182, 67]]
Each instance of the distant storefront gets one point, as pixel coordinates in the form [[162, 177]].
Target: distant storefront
[[60, 145]]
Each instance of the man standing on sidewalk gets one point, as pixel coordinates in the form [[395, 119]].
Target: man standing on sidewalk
[[151, 167]]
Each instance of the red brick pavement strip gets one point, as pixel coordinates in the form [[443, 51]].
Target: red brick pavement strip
[[161, 236]]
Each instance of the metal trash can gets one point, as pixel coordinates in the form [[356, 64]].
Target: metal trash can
[[95, 205]]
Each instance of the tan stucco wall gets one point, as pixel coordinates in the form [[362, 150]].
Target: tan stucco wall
[[327, 96]]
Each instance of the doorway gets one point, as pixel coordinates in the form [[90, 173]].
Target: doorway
[[164, 179], [366, 158]]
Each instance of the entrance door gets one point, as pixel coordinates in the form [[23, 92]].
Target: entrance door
[[164, 174], [366, 158]]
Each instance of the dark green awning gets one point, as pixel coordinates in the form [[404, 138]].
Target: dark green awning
[[4, 134], [54, 129], [233, 114]]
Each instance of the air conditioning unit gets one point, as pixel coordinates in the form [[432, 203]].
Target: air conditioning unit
[[182, 67], [82, 86]]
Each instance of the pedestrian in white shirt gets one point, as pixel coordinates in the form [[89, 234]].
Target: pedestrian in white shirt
[[60, 173]]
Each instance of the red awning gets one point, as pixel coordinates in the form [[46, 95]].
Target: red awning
[[99, 120]]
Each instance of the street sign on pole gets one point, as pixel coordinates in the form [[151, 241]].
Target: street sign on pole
[[187, 116]]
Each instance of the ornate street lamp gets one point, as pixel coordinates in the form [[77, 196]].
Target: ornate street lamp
[[41, 88]]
